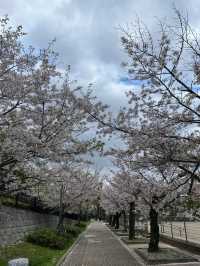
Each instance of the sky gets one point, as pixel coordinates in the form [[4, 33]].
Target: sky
[[88, 36]]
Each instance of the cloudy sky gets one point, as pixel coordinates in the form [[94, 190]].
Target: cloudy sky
[[87, 34]]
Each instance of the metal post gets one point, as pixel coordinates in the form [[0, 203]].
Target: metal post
[[184, 223], [161, 227], [172, 230], [180, 231]]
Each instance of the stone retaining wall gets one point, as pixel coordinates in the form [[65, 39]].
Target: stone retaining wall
[[16, 223]]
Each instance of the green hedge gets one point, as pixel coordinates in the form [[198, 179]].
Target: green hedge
[[72, 230], [48, 238], [82, 224], [45, 247]]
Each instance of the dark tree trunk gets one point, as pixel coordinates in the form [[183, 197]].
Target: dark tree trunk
[[110, 220], [98, 211], [117, 220], [80, 214], [99, 215], [60, 226], [125, 221], [34, 203], [131, 220], [113, 220], [86, 213], [16, 200], [154, 231]]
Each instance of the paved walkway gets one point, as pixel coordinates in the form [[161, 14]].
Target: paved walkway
[[98, 247]]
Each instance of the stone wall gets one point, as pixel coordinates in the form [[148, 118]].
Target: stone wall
[[16, 223]]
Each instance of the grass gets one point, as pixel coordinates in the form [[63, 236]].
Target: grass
[[37, 255]]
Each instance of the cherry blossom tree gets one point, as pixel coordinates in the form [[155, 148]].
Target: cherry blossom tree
[[125, 187], [159, 126], [73, 188], [113, 203], [167, 67], [42, 117]]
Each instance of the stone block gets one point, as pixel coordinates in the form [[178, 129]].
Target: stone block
[[19, 262]]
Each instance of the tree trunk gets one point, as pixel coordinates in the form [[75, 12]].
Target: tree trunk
[[80, 214], [117, 220], [131, 220], [110, 220], [86, 212], [125, 221], [113, 220], [154, 231], [34, 203], [60, 226], [16, 200], [98, 211]]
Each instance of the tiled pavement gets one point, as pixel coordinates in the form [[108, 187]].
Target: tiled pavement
[[98, 247]]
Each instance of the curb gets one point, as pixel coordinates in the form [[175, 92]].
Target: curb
[[193, 247], [132, 253], [61, 260], [142, 263]]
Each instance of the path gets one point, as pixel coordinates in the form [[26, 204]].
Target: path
[[98, 247]]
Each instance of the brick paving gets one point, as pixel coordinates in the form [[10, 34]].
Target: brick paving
[[98, 247]]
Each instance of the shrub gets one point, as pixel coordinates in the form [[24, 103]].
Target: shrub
[[72, 230], [81, 225], [47, 238]]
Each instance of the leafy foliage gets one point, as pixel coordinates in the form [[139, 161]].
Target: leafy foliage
[[48, 238], [72, 230], [43, 115]]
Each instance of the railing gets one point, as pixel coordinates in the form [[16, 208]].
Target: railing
[[23, 200], [188, 231]]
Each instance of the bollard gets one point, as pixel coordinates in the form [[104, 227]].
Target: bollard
[[18, 262]]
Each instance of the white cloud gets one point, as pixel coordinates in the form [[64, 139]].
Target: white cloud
[[87, 34]]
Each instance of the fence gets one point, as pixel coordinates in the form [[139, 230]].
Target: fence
[[22, 200], [140, 225], [185, 230]]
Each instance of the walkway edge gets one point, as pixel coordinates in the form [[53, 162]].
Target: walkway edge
[[61, 260], [132, 253]]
